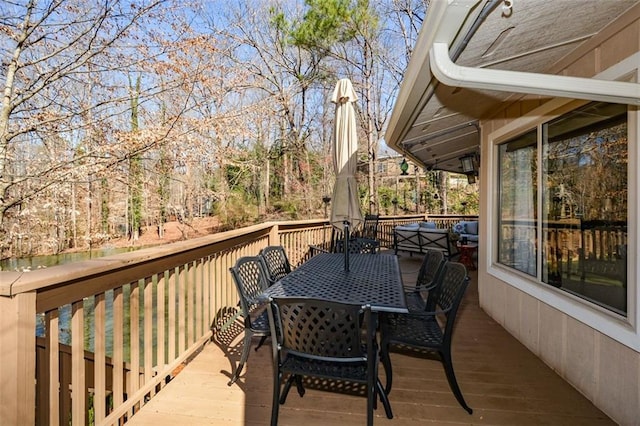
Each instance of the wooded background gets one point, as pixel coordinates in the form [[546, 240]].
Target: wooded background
[[119, 114]]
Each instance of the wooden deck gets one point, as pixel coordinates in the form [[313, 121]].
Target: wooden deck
[[501, 380]]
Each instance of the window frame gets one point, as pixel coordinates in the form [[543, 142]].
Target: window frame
[[621, 328]]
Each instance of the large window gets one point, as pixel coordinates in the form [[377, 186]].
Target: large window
[[565, 222], [518, 203]]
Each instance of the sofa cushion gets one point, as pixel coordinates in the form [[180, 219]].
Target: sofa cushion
[[428, 225], [471, 227], [408, 227], [460, 228]]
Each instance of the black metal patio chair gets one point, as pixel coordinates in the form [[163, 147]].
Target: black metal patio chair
[[422, 331], [276, 261], [428, 275], [322, 341], [370, 226], [250, 277]]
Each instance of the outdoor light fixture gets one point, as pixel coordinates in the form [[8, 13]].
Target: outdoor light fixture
[[468, 164], [404, 166], [326, 200]]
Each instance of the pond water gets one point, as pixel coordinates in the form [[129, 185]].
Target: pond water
[[36, 262]]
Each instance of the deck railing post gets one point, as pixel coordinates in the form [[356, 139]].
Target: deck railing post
[[18, 359], [274, 235]]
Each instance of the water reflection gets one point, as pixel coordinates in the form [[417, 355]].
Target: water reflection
[[37, 262]]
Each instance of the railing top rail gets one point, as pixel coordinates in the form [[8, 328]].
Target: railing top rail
[[168, 255], [137, 264]]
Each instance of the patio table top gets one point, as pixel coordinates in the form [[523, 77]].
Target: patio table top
[[372, 279]]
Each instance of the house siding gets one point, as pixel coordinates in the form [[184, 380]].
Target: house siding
[[603, 369]]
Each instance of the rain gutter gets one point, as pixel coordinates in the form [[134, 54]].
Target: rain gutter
[[561, 86]]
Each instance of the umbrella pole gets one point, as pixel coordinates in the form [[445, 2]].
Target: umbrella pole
[[346, 245]]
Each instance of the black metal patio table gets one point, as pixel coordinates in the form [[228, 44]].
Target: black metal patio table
[[372, 279]]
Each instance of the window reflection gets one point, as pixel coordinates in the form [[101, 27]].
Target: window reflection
[[518, 203], [582, 230], [584, 204]]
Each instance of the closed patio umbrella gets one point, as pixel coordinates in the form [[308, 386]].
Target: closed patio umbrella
[[345, 211]]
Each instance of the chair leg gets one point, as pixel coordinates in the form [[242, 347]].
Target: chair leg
[[384, 399], [386, 364], [299, 386], [287, 387], [261, 342], [453, 383], [275, 404], [371, 400], [245, 355]]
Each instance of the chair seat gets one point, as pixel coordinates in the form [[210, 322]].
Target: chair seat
[[353, 371], [260, 322], [416, 330]]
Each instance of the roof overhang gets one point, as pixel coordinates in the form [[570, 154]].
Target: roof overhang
[[472, 56]]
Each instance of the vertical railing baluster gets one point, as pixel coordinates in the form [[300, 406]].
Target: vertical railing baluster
[[182, 305], [99, 365], [206, 293], [160, 318], [118, 347], [134, 338], [78, 407], [148, 329], [173, 284], [190, 308], [199, 303], [53, 355]]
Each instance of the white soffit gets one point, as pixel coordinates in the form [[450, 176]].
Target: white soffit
[[531, 40]]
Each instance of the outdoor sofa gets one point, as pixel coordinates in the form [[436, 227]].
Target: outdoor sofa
[[423, 236], [467, 229]]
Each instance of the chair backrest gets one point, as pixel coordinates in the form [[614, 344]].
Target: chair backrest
[[336, 237], [437, 239], [250, 277], [448, 294], [320, 329], [370, 226], [276, 261], [359, 245], [430, 270]]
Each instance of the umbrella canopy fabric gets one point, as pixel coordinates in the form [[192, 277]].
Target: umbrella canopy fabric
[[346, 206]]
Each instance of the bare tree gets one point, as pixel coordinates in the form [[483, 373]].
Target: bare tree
[[64, 92], [289, 77]]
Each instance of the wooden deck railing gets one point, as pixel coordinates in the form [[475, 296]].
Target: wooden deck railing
[[570, 247], [112, 331]]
